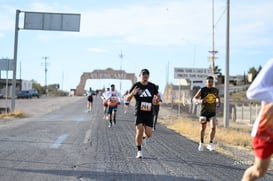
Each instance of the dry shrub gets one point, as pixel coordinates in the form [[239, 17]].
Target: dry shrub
[[227, 136], [233, 137], [185, 127], [13, 114]]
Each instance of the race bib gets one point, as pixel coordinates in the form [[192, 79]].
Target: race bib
[[113, 99], [146, 106]]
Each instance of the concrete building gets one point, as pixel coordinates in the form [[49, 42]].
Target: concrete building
[[6, 86]]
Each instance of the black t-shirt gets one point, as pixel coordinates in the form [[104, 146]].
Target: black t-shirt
[[144, 97], [210, 95]]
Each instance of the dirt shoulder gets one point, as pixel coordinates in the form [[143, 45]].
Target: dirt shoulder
[[178, 123], [36, 107]]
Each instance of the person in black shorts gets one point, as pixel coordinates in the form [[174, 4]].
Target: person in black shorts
[[145, 94], [156, 110], [90, 94], [209, 99]]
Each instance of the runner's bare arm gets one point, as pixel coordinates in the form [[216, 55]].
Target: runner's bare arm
[[156, 99], [197, 97], [132, 93]]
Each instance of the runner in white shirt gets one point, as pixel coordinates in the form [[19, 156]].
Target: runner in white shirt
[[262, 90], [113, 100]]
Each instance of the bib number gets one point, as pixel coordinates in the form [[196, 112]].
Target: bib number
[[146, 106]]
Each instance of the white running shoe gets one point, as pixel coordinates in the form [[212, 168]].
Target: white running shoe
[[210, 147], [139, 154], [201, 147], [109, 125]]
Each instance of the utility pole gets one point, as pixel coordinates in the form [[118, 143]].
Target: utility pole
[[63, 80], [45, 64], [226, 92], [213, 51], [120, 56], [16, 32]]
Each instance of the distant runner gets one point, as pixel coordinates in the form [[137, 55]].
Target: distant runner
[[156, 108], [104, 102], [90, 94], [113, 100], [126, 103]]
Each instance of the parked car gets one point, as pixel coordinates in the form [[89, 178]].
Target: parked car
[[34, 93], [1, 96], [24, 94]]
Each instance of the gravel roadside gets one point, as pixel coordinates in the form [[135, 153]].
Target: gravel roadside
[[37, 107], [242, 155]]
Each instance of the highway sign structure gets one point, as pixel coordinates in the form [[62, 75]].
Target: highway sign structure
[[192, 73]]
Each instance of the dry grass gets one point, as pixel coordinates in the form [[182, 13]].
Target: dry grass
[[14, 114], [233, 136], [233, 141], [230, 136]]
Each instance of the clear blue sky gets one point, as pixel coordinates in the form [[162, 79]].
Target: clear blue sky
[[153, 34]]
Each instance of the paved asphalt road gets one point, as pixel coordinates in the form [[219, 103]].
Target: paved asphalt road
[[72, 144]]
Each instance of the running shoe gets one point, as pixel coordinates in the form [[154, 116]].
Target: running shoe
[[115, 122], [109, 125], [210, 147], [201, 147], [139, 154]]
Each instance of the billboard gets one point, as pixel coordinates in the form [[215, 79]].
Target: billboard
[[52, 21], [6, 64]]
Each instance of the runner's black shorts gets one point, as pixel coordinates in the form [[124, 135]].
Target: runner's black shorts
[[90, 98], [207, 116], [146, 120]]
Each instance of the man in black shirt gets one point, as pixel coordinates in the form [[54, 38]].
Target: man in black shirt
[[146, 95], [208, 97]]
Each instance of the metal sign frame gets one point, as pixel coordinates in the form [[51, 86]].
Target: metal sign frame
[[55, 21]]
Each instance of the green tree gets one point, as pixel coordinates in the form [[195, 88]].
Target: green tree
[[37, 86], [253, 71], [217, 70]]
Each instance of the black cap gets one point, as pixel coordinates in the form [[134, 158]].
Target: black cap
[[145, 71]]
